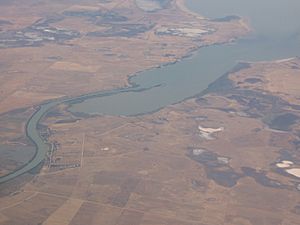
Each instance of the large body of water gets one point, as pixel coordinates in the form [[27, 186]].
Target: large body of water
[[276, 36]]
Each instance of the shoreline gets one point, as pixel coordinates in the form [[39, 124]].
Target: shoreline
[[130, 87], [181, 4]]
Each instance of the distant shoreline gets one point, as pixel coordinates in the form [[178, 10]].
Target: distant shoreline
[[181, 4]]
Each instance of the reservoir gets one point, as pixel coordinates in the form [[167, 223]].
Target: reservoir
[[276, 35]]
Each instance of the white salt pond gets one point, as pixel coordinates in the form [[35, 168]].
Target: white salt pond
[[284, 164], [295, 172], [198, 151], [207, 133]]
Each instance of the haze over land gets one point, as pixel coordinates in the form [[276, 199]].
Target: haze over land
[[116, 112]]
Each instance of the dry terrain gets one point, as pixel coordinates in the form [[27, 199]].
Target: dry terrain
[[229, 156], [52, 49]]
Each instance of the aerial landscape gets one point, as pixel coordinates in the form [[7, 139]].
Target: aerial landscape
[[149, 112]]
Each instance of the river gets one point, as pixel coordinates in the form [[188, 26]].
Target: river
[[276, 36]]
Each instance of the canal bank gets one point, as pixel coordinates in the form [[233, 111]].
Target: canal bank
[[157, 88]]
